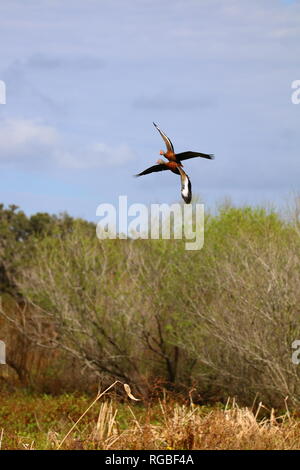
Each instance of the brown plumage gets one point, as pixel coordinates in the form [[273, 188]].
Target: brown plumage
[[174, 164]]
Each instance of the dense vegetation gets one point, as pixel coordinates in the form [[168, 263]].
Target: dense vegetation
[[212, 323]]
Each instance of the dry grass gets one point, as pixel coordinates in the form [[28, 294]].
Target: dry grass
[[188, 427], [70, 422]]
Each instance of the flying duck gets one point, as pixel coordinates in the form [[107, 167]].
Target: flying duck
[[174, 164]]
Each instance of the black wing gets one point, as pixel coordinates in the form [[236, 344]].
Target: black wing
[[153, 169], [167, 141], [186, 155]]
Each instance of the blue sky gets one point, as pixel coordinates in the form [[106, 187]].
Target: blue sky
[[86, 78]]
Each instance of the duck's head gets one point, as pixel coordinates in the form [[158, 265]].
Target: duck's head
[[161, 152], [161, 162]]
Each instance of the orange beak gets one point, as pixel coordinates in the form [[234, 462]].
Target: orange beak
[[161, 153]]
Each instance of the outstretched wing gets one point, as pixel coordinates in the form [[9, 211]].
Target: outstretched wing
[[186, 155], [153, 169], [166, 139], [186, 187]]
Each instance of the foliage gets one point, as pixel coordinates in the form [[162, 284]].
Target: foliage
[[220, 320]]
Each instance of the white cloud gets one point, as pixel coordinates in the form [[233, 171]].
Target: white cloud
[[96, 155], [47, 61], [25, 141], [168, 100], [31, 144]]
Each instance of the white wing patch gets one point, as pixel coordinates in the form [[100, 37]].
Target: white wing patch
[[186, 187]]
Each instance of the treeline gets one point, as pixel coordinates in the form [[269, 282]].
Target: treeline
[[214, 323], [18, 233]]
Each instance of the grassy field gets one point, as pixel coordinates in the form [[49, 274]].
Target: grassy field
[[44, 421]]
